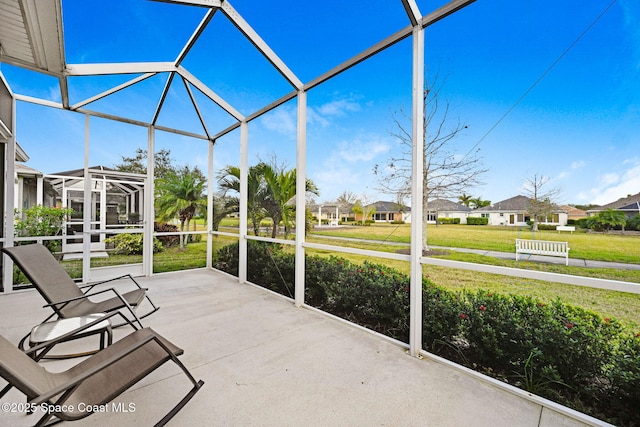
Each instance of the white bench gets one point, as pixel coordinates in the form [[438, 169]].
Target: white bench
[[570, 228], [542, 247]]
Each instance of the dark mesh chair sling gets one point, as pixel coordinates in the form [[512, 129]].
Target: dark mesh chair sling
[[95, 381], [64, 296]]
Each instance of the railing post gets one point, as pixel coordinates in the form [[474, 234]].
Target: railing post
[[417, 189]]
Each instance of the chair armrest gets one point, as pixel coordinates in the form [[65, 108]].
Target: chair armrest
[[85, 296], [113, 279], [75, 381]]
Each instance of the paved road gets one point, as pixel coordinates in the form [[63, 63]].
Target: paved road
[[509, 255]]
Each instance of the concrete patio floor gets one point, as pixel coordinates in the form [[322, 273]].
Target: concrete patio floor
[[268, 363]]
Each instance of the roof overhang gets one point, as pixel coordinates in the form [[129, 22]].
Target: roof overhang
[[31, 35]]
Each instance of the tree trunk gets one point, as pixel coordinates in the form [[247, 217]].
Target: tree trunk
[[182, 235]]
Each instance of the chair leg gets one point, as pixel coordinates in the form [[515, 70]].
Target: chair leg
[[180, 404], [5, 389]]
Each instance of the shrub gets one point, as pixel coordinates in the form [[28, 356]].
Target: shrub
[[444, 220], [477, 221], [441, 321], [131, 244], [622, 398], [633, 223], [42, 221], [548, 227], [398, 221]]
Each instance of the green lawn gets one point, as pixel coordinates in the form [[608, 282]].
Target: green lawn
[[602, 247]]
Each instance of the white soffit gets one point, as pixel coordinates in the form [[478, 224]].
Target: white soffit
[[31, 35]]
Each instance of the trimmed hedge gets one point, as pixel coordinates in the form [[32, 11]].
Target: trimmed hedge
[[477, 221], [444, 220], [552, 349]]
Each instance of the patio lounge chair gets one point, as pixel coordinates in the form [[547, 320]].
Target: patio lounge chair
[[93, 383], [64, 296]]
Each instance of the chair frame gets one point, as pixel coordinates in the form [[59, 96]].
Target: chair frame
[[66, 390], [86, 290]]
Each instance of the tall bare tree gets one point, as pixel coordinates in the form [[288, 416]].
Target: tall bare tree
[[543, 198], [447, 173], [364, 206]]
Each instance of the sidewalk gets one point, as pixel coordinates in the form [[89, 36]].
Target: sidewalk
[[576, 262]]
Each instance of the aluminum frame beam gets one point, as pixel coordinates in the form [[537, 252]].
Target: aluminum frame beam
[[194, 37], [119, 68], [111, 91], [195, 106], [210, 94], [260, 44]]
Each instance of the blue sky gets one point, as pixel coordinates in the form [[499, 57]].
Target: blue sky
[[579, 69]]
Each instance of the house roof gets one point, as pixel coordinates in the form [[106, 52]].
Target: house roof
[[24, 170], [514, 204], [630, 203], [444, 205], [382, 206], [573, 211]]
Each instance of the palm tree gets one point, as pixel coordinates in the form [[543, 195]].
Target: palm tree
[[181, 194], [229, 180], [478, 203], [465, 199], [280, 193], [271, 191]]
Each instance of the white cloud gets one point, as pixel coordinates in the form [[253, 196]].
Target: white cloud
[[338, 107], [349, 165], [361, 150], [613, 186], [609, 179], [282, 120], [575, 165], [578, 164]]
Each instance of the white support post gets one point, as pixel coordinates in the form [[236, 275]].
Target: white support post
[[210, 205], [148, 212], [87, 207], [417, 188], [103, 207], [40, 190], [301, 186], [10, 188], [244, 211]]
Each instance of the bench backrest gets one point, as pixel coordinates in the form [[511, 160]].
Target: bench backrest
[[542, 246]]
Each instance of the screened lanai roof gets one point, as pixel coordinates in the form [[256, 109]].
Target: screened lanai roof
[[165, 47]]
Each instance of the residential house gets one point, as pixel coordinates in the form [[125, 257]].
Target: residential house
[[390, 212], [332, 212], [515, 212], [573, 213], [443, 208], [630, 205]]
